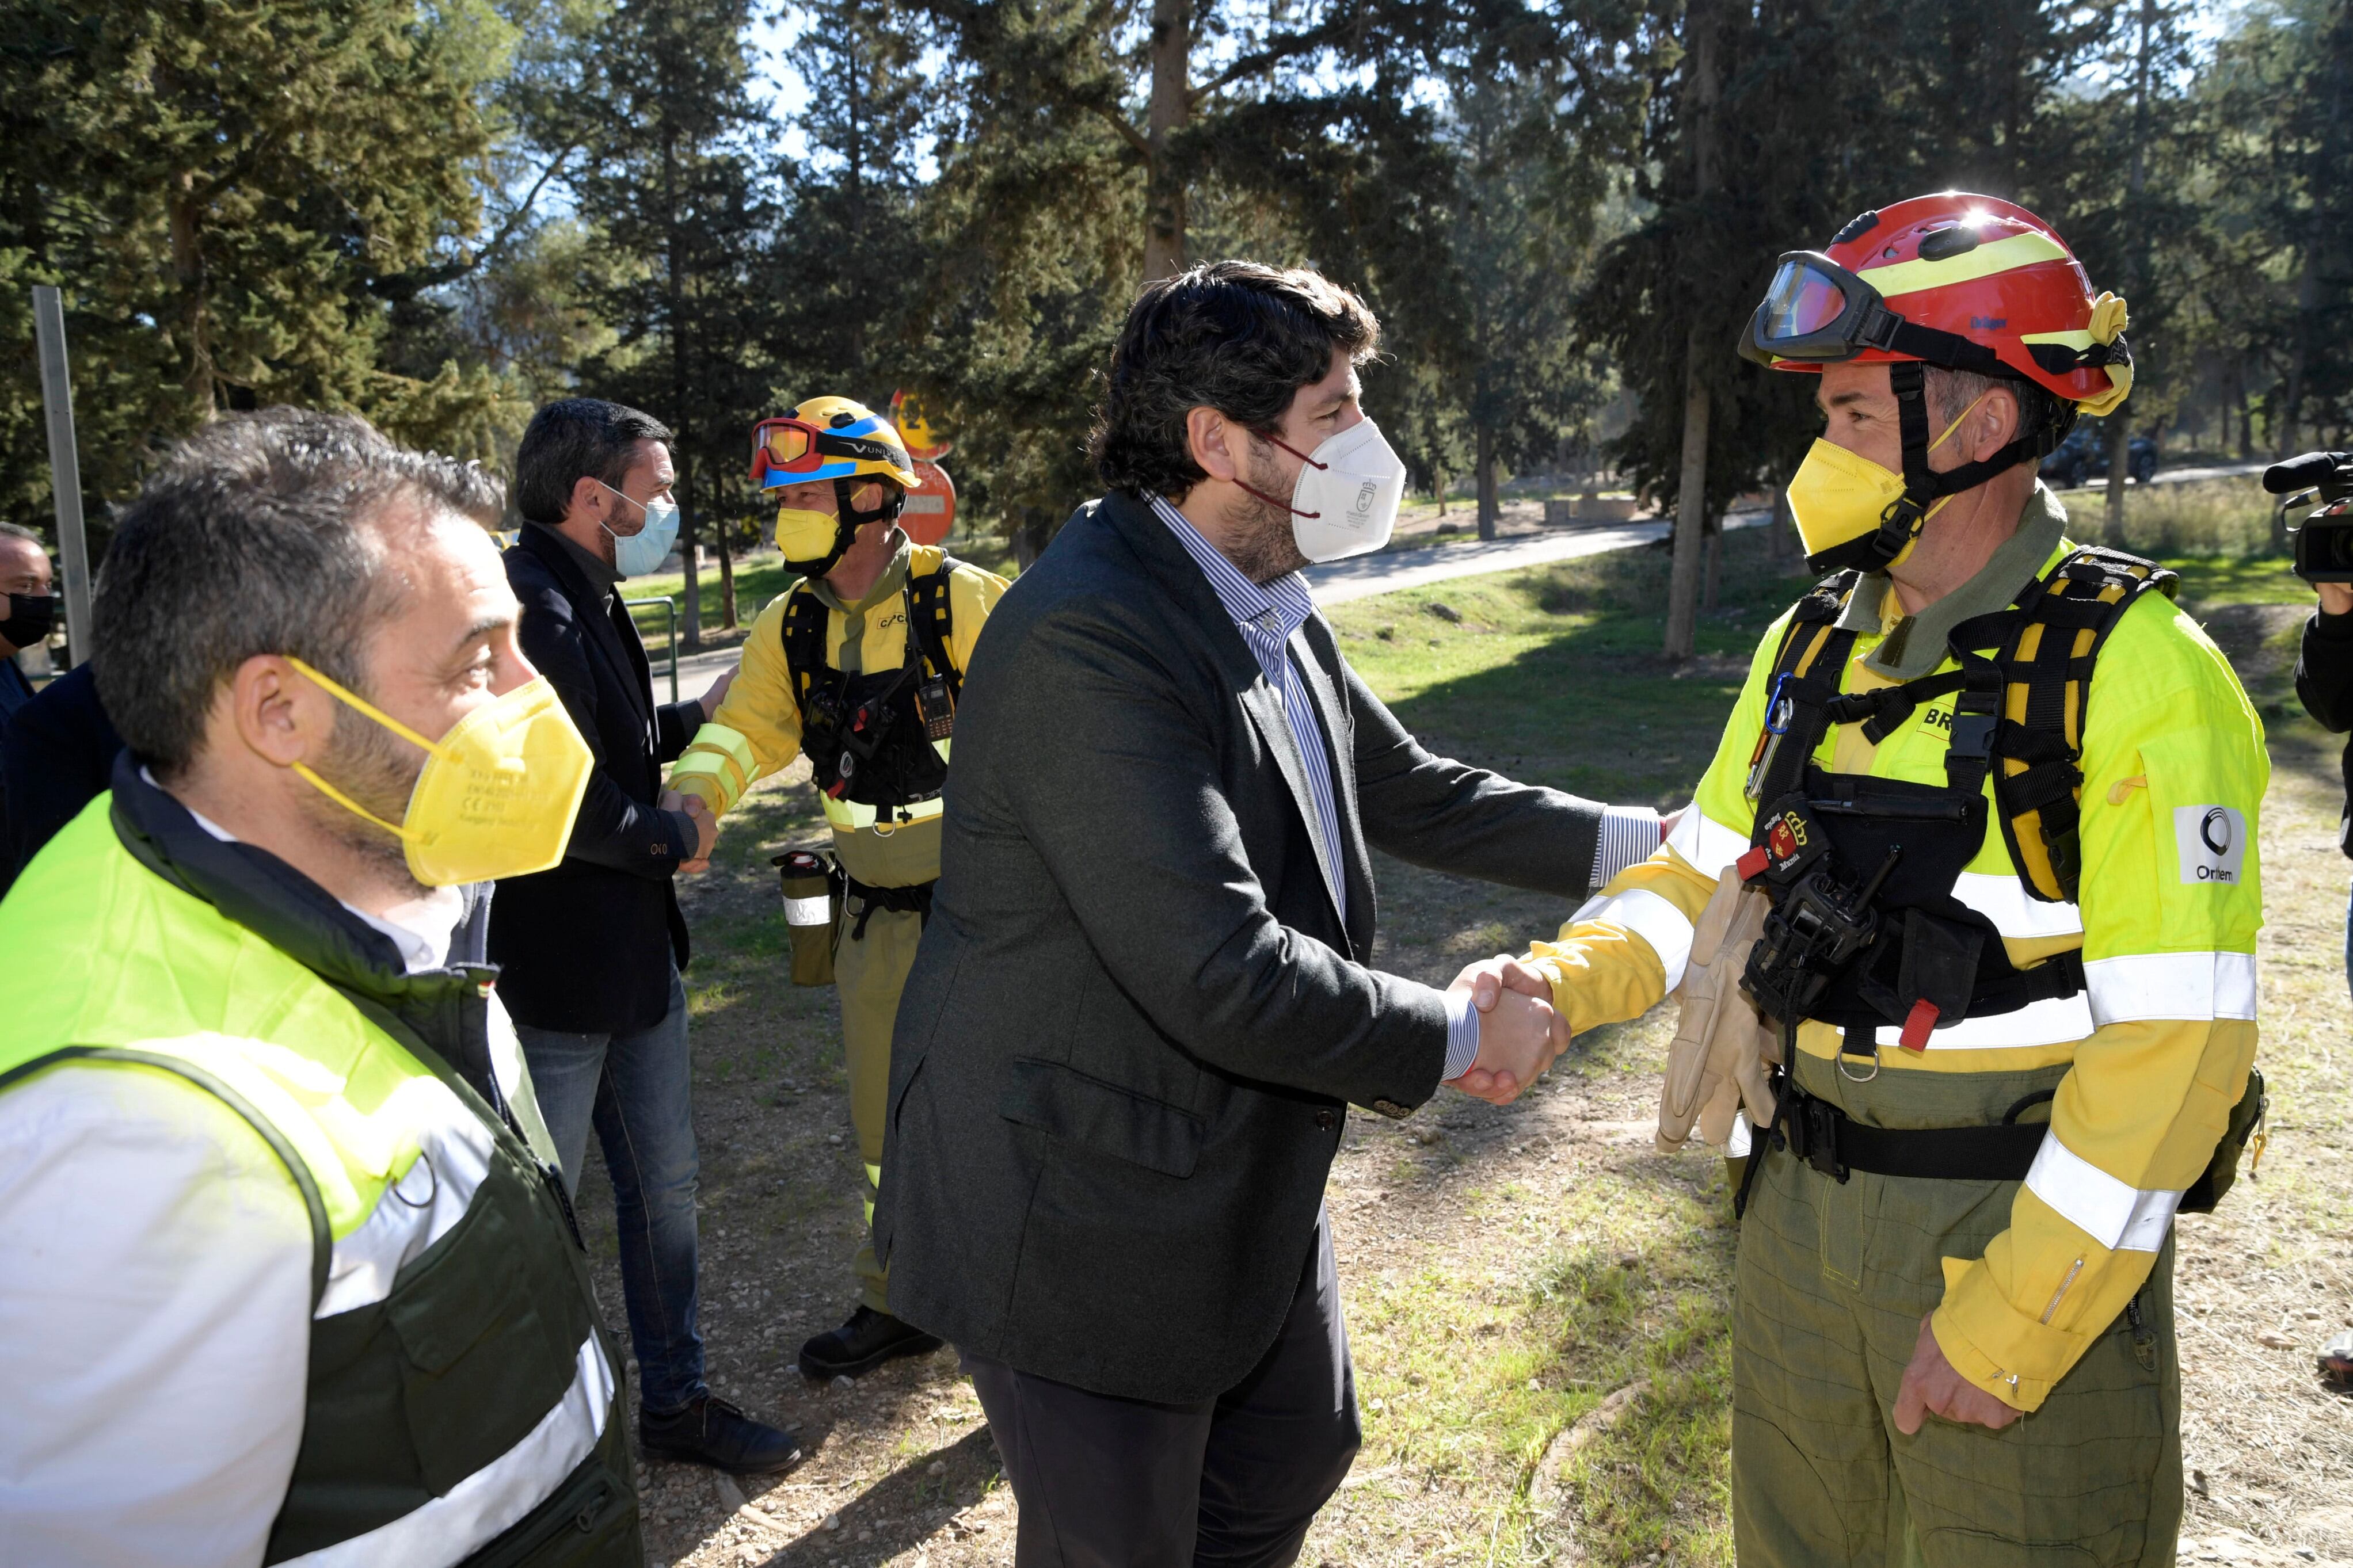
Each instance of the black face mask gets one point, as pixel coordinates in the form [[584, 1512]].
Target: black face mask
[[30, 619]]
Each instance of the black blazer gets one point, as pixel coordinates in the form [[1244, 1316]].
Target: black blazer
[[588, 945], [57, 755], [1124, 1053]]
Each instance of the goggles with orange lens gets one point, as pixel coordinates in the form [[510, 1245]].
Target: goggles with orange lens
[[790, 452]]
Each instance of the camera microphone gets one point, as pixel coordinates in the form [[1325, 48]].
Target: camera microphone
[[2308, 471]]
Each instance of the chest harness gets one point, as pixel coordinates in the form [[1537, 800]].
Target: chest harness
[[1865, 932], [878, 739]]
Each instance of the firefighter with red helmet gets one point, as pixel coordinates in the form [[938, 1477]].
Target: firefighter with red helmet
[[1982, 825]]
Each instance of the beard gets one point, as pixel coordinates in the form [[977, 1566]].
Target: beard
[[379, 771], [1260, 544]]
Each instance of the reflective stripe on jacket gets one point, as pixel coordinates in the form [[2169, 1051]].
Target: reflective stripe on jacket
[[460, 1392], [2161, 1038]]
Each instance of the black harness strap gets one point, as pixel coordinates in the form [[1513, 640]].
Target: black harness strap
[[930, 623], [803, 634], [2050, 642], [914, 900], [1837, 1145]]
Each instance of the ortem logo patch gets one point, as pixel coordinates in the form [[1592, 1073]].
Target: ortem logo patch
[[2211, 842]]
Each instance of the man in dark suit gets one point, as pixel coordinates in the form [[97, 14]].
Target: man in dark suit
[[589, 952], [56, 757], [1141, 1008]]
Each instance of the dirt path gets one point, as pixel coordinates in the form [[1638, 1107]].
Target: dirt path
[[1506, 1271]]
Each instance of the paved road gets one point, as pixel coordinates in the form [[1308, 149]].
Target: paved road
[[1368, 574]]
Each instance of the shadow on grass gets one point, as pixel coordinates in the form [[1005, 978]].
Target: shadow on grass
[[897, 1513]]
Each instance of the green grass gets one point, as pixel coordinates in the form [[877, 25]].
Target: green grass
[[2227, 517], [1553, 674]]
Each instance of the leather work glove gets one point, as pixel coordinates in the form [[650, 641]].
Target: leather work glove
[[1722, 1046]]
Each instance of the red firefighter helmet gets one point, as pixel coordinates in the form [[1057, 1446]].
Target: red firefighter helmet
[[1964, 281]]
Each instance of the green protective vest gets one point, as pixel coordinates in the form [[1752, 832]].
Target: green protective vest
[[463, 1405]]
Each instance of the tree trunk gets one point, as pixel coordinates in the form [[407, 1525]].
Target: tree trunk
[[2307, 289], [1783, 530], [1171, 106], [1707, 599], [2119, 431], [1029, 541], [690, 617], [188, 275], [726, 567], [1490, 507], [1683, 581], [1691, 510]]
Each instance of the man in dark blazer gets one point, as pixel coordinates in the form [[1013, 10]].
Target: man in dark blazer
[[1143, 1006], [589, 952]]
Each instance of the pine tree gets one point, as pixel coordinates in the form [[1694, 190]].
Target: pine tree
[[1774, 123], [849, 260], [666, 128], [231, 196]]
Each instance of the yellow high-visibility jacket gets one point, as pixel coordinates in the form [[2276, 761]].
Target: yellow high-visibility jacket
[[758, 729], [2159, 1043]]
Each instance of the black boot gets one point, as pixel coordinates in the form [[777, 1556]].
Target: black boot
[[861, 1344], [713, 1432]]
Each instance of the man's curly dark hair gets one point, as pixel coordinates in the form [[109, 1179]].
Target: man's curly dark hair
[[1234, 336]]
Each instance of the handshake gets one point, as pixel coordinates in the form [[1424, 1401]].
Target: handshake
[[1520, 1034], [700, 822]]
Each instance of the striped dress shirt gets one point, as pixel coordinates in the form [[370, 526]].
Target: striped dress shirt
[[1268, 614]]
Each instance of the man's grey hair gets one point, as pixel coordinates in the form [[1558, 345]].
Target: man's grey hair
[[18, 530], [255, 536], [1951, 391]]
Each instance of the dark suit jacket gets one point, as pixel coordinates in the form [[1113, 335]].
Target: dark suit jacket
[[2324, 683], [588, 945], [1123, 1055], [56, 756]]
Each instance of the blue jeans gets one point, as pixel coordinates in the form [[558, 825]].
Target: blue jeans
[[638, 1089]]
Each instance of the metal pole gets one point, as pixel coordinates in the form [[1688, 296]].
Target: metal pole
[[669, 619], [65, 469]]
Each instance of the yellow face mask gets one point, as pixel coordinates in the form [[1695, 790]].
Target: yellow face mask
[[497, 795], [1838, 497], [805, 535]]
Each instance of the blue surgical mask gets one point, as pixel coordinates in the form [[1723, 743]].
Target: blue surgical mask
[[635, 555]]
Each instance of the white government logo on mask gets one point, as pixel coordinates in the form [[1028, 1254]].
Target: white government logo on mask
[[2211, 842]]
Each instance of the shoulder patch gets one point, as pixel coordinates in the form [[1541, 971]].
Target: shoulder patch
[[2210, 843]]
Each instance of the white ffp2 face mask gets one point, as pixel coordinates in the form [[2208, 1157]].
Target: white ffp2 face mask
[[1345, 502]]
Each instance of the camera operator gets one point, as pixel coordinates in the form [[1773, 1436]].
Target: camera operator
[[2324, 681]]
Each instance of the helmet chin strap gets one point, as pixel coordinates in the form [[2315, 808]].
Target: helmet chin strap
[[847, 521], [1924, 486]]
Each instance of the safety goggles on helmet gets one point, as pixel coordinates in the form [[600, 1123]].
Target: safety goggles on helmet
[[1817, 312], [787, 451]]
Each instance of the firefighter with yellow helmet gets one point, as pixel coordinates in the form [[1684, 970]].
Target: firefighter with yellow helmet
[[855, 666], [1964, 919]]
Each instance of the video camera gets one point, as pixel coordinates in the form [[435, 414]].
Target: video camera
[[2324, 541]]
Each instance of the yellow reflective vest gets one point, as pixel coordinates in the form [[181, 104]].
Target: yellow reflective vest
[[2159, 1042], [461, 1404]]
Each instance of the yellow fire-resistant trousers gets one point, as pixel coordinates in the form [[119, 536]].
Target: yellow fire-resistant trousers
[[869, 972], [1833, 1280]]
